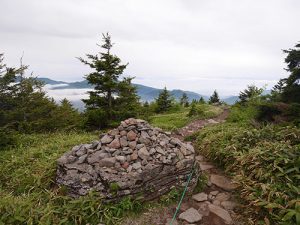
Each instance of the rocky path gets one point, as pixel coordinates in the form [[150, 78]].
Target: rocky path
[[199, 124], [215, 205]]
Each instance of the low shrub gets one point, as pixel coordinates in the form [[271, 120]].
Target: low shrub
[[266, 164]]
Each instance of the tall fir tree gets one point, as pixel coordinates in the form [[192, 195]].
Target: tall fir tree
[[184, 100], [201, 100], [164, 101], [214, 98], [291, 88], [250, 93], [103, 105]]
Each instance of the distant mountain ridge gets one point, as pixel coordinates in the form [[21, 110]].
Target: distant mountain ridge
[[146, 93]]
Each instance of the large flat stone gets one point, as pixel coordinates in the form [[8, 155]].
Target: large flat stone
[[205, 166], [222, 213], [200, 197], [191, 216], [222, 182]]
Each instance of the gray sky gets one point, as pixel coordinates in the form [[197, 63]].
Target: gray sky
[[197, 45]]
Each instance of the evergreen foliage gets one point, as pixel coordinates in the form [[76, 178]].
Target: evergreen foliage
[[201, 100], [24, 106], [184, 100], [112, 99], [250, 93], [291, 89], [214, 98], [164, 101], [193, 110]]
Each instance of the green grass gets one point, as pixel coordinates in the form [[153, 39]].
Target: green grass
[[28, 194], [180, 118], [265, 161]]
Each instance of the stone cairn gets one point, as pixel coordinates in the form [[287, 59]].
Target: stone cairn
[[134, 160]]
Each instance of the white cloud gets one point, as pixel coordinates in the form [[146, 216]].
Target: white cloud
[[189, 44]]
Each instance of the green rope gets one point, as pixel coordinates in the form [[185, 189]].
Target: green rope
[[182, 196]]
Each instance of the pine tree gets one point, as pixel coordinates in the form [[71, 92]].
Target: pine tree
[[146, 104], [250, 93], [103, 105], [164, 101], [291, 87], [193, 109], [184, 100], [128, 100], [214, 98], [66, 117], [201, 100]]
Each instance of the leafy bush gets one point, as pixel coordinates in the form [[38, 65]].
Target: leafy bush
[[265, 162], [204, 111], [7, 138], [242, 114], [269, 111]]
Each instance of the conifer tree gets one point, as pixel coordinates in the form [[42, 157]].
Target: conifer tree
[[164, 101], [184, 100], [201, 100], [214, 98], [146, 104], [103, 105], [127, 100], [193, 109], [250, 93], [291, 87]]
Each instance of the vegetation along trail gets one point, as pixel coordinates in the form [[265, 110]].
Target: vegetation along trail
[[213, 201]]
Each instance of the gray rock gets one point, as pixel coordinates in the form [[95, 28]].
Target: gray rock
[[106, 139], [205, 166], [139, 146], [200, 197], [144, 134], [221, 213], [123, 141], [132, 144], [127, 151], [229, 205], [115, 144], [191, 216], [152, 151], [145, 141], [190, 148], [113, 132], [143, 153], [222, 182], [121, 158], [82, 159], [81, 151], [107, 162], [96, 157], [136, 165], [131, 136], [117, 152], [123, 133], [223, 196], [160, 150]]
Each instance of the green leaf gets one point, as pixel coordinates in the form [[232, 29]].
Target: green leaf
[[289, 215]]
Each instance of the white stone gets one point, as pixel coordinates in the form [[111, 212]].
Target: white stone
[[191, 216], [200, 197]]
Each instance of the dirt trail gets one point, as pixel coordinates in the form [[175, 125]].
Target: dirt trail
[[216, 204], [196, 125]]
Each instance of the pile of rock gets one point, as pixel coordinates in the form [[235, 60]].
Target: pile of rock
[[134, 159]]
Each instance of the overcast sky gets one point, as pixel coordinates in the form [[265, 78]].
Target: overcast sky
[[197, 45]]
